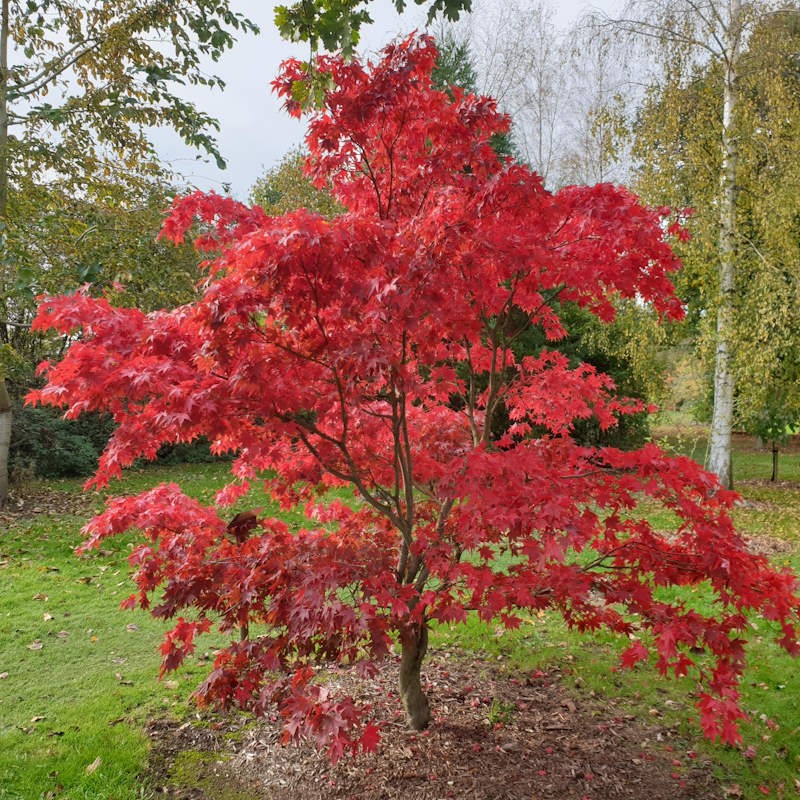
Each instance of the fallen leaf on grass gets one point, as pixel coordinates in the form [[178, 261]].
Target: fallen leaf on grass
[[122, 680], [132, 627], [93, 767], [48, 617], [3, 676], [35, 645], [62, 634], [38, 718], [40, 596]]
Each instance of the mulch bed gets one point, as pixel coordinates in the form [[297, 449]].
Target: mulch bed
[[496, 736]]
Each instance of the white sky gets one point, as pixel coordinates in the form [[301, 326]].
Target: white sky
[[254, 132]]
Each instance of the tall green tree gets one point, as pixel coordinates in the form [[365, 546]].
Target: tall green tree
[[689, 35], [286, 187], [678, 143], [81, 84]]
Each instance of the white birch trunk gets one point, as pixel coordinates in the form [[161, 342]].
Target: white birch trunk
[[719, 454]]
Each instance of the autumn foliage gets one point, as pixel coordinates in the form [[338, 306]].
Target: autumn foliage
[[374, 350]]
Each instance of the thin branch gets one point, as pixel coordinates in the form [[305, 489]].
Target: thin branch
[[650, 30], [23, 325], [351, 477], [53, 69]]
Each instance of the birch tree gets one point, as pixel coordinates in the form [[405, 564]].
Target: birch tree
[[520, 58], [685, 34], [677, 143], [596, 110]]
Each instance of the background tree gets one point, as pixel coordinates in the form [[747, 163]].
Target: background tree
[[600, 93], [336, 24], [286, 187], [563, 89], [678, 137], [688, 35], [518, 59], [110, 245], [80, 85], [373, 351]]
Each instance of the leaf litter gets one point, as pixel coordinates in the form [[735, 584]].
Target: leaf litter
[[550, 745]]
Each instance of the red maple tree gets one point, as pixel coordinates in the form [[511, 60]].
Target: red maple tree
[[375, 350]]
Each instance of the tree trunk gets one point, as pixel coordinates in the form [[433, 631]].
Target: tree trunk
[[719, 457], [5, 440], [5, 403], [774, 477], [4, 158], [414, 641]]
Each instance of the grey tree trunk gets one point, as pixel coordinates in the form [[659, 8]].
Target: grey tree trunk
[[4, 165], [5, 403], [719, 455], [5, 440], [414, 641]]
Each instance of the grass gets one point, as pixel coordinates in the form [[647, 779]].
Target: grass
[[78, 677], [588, 664], [81, 676]]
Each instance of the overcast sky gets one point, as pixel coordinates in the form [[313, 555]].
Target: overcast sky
[[254, 132]]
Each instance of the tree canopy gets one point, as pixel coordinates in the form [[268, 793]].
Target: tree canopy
[[82, 84], [336, 24], [286, 187], [678, 147], [372, 351]]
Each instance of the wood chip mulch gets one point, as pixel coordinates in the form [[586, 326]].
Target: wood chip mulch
[[496, 735]]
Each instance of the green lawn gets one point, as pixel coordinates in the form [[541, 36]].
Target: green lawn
[[78, 677]]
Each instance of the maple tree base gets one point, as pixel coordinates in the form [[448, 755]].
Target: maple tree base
[[552, 746], [415, 645]]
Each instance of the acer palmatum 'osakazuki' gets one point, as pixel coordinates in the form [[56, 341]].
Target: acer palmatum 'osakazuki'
[[375, 350]]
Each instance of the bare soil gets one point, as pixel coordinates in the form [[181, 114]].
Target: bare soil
[[496, 735]]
